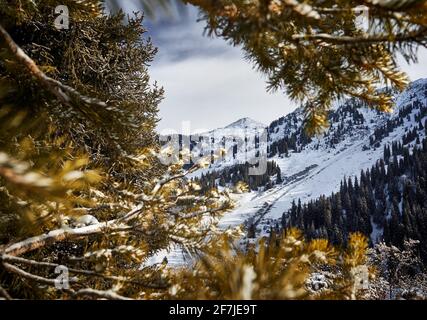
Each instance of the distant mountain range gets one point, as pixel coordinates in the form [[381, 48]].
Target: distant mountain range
[[309, 167]]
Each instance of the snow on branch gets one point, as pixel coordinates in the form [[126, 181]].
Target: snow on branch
[[59, 235]]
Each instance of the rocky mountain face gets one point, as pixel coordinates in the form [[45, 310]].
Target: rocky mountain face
[[302, 168]]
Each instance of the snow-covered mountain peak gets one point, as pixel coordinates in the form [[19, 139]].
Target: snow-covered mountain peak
[[416, 90], [309, 166], [422, 82], [246, 123]]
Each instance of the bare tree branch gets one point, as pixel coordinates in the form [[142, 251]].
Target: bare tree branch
[[110, 295], [24, 274], [30, 262], [197, 213], [417, 36]]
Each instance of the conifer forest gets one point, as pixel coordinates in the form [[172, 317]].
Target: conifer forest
[[309, 183]]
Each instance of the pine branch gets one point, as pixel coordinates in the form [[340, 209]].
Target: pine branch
[[13, 259], [4, 293], [416, 36], [167, 180], [197, 213], [109, 295], [60, 235], [18, 174], [65, 94]]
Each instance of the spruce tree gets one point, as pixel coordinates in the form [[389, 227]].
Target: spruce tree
[[81, 181]]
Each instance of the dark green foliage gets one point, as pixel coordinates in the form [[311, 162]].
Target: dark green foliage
[[240, 173], [391, 199]]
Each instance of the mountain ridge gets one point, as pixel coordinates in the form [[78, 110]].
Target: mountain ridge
[[245, 123], [312, 167]]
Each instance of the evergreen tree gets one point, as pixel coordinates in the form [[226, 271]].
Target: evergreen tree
[[81, 184]]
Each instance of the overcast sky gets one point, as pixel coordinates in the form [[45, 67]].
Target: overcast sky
[[207, 81]]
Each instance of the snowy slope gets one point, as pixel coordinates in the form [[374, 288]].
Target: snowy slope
[[246, 123], [312, 167], [317, 169]]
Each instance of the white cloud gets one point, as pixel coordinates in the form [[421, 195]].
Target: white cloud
[[419, 70], [208, 83], [211, 92]]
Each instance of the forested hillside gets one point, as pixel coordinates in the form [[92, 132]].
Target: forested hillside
[[386, 202], [231, 176], [87, 200]]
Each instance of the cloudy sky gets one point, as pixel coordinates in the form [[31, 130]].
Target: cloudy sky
[[208, 83]]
